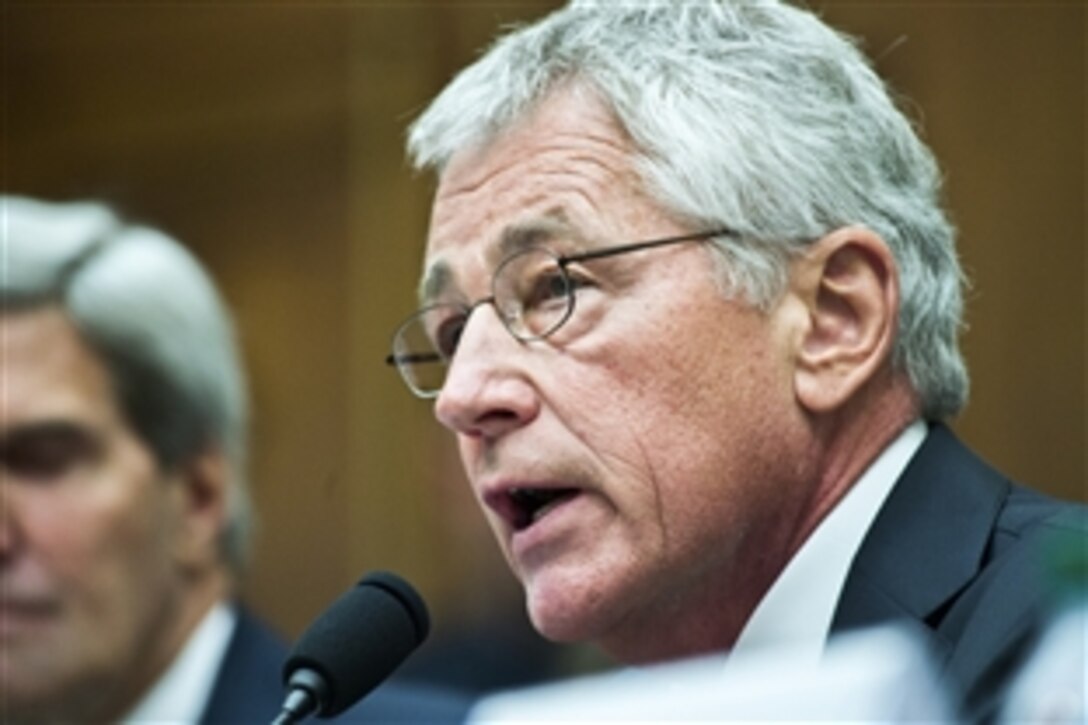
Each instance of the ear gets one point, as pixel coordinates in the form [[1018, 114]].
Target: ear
[[200, 508], [849, 285]]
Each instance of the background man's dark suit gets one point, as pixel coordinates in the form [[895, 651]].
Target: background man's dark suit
[[961, 552], [248, 688]]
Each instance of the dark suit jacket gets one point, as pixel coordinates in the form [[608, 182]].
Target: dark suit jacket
[[249, 689], [960, 553]]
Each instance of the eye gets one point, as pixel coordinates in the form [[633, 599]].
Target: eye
[[547, 286], [550, 285], [48, 451], [447, 335]]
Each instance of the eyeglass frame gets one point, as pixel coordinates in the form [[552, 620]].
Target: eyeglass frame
[[562, 261]]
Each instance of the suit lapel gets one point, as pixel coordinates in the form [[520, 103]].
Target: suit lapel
[[248, 688], [928, 540]]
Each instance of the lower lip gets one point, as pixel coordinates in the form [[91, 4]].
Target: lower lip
[[548, 531]]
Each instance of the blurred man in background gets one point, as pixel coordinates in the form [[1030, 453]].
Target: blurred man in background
[[691, 306], [124, 512]]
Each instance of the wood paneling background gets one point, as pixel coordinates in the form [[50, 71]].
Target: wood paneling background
[[269, 138]]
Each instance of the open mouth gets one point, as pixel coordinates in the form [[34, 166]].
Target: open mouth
[[526, 506]]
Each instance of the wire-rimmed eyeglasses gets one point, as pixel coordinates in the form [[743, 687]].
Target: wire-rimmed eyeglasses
[[533, 294]]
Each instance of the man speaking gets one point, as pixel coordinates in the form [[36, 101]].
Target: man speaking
[[690, 305]]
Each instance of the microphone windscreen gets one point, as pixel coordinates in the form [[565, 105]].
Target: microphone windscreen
[[359, 640]]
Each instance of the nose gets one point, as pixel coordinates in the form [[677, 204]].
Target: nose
[[487, 392]]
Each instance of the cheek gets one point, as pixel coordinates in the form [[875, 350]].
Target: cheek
[[695, 413], [109, 540], [658, 398]]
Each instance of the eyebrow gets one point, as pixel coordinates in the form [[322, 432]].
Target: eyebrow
[[519, 237], [439, 277]]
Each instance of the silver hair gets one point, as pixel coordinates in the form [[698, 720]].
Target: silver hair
[[755, 116], [153, 314]]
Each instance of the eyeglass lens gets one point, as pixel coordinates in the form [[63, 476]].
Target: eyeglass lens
[[532, 294]]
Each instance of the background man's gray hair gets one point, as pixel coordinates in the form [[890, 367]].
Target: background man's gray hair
[[751, 115], [145, 304]]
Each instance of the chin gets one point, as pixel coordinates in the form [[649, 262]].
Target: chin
[[566, 627], [570, 613]]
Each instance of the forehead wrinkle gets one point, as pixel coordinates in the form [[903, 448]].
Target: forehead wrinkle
[[558, 165], [598, 153], [581, 161]]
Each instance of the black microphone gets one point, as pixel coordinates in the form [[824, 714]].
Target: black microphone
[[351, 648]]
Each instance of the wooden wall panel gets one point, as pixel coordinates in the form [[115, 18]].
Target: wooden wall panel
[[999, 91], [227, 126]]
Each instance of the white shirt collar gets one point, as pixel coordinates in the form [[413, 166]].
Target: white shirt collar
[[181, 693], [798, 608]]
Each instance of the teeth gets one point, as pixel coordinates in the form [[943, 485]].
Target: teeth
[[540, 512], [532, 504]]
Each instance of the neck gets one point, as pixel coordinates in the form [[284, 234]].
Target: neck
[[709, 614], [849, 442], [702, 620], [164, 645]]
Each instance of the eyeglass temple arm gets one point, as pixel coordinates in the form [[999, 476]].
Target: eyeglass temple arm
[[636, 246], [412, 358]]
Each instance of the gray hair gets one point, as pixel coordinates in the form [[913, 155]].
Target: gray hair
[[755, 116], [152, 313]]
